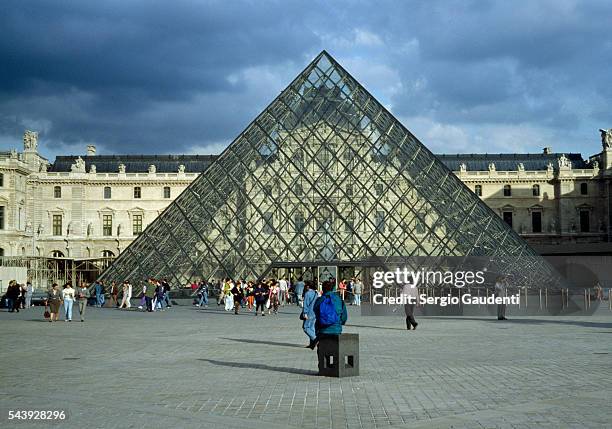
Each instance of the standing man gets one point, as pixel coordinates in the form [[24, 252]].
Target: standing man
[[357, 291], [282, 284], [410, 292], [29, 293], [166, 286], [98, 291], [299, 291], [82, 295], [149, 293], [501, 290], [308, 315]]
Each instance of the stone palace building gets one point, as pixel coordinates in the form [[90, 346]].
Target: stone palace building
[[92, 206]]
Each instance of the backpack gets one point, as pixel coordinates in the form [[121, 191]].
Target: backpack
[[327, 312]]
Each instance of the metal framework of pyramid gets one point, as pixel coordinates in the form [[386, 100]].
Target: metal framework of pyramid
[[325, 175]]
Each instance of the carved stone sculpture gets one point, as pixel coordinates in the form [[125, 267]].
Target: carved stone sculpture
[[92, 168], [152, 168], [491, 166], [606, 138], [121, 168], [564, 162], [30, 140], [78, 166], [181, 168]]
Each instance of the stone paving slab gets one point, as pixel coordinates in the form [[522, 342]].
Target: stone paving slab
[[187, 367]]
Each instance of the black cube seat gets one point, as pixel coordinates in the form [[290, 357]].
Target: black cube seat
[[338, 355]]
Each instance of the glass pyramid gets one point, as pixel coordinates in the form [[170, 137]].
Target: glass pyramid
[[325, 175]]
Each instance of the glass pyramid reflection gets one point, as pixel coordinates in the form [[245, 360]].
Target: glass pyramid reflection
[[325, 175]]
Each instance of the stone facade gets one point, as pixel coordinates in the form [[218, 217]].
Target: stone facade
[[93, 206]]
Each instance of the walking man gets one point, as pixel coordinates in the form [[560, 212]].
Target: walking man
[[82, 295], [308, 315]]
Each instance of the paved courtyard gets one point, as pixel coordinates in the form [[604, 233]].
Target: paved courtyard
[[188, 368]]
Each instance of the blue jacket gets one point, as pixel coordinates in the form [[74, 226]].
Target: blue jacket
[[336, 328], [309, 301]]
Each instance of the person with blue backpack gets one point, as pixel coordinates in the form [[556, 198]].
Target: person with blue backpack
[[330, 313]]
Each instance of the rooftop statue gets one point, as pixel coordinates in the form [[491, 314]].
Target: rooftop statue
[[606, 138], [30, 140]]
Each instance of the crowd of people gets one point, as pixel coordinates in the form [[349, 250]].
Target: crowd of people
[[18, 296], [268, 295]]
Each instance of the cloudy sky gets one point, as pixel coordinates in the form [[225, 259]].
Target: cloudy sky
[[187, 76]]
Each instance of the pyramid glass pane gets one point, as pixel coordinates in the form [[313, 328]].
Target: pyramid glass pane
[[323, 176]]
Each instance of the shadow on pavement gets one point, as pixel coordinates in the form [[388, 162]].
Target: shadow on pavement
[[260, 366], [375, 327], [269, 343], [522, 321]]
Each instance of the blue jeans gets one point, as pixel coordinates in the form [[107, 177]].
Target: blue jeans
[[99, 300], [357, 299], [68, 309], [309, 329], [204, 299], [167, 299]]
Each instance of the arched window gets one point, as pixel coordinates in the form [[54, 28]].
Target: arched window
[[507, 191], [108, 254], [536, 190], [107, 192], [478, 190], [57, 254], [57, 192], [107, 262]]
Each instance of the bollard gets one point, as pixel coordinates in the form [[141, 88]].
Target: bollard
[[546, 298], [540, 298], [519, 294], [338, 355]]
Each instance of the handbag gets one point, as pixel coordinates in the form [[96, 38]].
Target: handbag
[[46, 313], [268, 303]]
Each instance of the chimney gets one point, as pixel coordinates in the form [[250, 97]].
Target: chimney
[[547, 150], [91, 150]]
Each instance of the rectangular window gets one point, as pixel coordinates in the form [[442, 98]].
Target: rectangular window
[[584, 189], [380, 221], [107, 192], [349, 226], [137, 192], [166, 191], [268, 223], [57, 192], [585, 221], [107, 225], [137, 224], [507, 191], [478, 190], [298, 189], [536, 221], [1, 217], [1, 180], [299, 222], [57, 224], [508, 218]]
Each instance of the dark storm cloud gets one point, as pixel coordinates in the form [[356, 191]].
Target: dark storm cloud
[[168, 77]]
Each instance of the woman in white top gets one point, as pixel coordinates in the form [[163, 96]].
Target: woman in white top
[[68, 297], [127, 295]]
